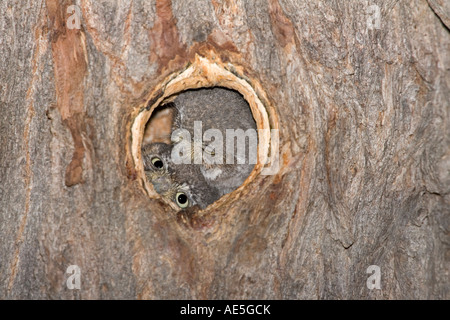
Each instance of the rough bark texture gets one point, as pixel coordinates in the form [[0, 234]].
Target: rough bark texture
[[365, 135]]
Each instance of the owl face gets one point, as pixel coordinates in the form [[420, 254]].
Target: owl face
[[182, 184]]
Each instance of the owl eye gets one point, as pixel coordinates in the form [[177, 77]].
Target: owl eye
[[157, 163], [182, 200]]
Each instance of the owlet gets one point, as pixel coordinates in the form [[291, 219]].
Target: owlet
[[180, 183], [216, 133]]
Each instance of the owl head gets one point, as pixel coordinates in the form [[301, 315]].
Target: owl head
[[183, 184]]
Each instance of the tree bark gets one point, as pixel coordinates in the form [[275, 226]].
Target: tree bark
[[363, 107]]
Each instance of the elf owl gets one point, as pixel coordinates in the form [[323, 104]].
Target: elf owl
[[180, 183], [215, 131]]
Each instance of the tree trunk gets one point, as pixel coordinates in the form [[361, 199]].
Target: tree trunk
[[360, 91]]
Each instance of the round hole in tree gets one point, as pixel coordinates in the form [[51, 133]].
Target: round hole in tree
[[153, 125]]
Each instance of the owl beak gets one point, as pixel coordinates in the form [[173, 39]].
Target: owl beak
[[161, 184]]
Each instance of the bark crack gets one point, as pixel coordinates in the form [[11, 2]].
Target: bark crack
[[28, 182], [440, 13]]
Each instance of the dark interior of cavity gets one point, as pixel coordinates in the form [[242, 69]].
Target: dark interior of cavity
[[204, 182]]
